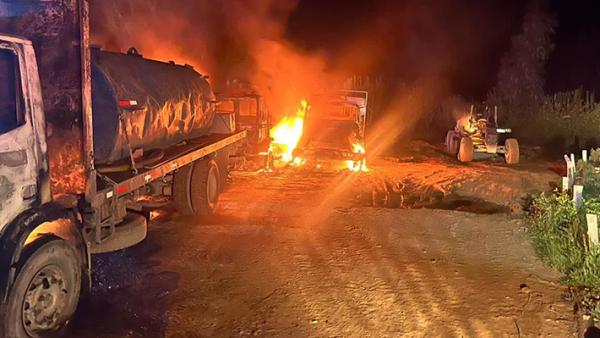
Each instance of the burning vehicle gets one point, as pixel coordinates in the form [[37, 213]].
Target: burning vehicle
[[332, 132], [249, 110], [477, 136], [86, 137]]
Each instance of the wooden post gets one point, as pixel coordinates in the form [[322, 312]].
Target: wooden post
[[578, 195], [592, 229], [565, 184], [570, 171]]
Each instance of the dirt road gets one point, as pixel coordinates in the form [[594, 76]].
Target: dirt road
[[303, 254]]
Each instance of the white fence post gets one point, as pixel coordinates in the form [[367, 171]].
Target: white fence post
[[592, 229], [578, 195], [570, 170], [565, 184]]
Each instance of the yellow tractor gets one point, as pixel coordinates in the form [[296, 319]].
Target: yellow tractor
[[477, 136]]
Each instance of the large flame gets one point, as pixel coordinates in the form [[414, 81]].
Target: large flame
[[286, 134]]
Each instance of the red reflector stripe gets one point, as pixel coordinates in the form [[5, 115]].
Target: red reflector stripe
[[127, 103], [123, 188]]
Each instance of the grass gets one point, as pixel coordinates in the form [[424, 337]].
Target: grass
[[559, 234]]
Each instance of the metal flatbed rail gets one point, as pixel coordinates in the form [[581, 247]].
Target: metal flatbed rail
[[140, 180]]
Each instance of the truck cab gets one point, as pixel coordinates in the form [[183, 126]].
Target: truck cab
[[22, 134]]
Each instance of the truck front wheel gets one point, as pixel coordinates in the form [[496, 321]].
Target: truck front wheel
[[46, 291], [205, 188]]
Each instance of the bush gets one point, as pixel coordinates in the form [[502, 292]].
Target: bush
[[556, 231], [559, 234]]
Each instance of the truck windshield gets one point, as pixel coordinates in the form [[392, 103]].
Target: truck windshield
[[9, 114]]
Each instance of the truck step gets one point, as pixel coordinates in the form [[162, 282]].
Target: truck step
[[128, 233]]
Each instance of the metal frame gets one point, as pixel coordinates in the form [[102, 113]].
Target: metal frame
[[136, 182]]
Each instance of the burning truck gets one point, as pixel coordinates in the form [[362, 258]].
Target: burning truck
[[86, 136], [330, 133]]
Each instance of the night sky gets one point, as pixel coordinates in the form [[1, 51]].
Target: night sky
[[463, 40]]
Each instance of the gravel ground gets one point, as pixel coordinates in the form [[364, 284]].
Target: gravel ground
[[304, 254]]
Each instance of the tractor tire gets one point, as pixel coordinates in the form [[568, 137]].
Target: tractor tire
[[512, 151], [182, 196], [465, 151], [46, 291], [205, 188], [452, 143]]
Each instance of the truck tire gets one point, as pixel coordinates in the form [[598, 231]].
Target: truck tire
[[205, 188], [452, 143], [465, 151], [512, 151], [46, 291], [182, 196], [223, 162]]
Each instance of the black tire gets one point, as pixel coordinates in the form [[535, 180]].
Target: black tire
[[512, 151], [465, 152], [222, 159], [205, 188], [452, 143], [49, 279], [182, 196]]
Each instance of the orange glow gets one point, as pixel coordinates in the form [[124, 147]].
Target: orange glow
[[59, 228], [286, 135], [361, 165], [465, 123]]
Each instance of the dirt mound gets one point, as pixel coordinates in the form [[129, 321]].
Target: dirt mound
[[432, 179]]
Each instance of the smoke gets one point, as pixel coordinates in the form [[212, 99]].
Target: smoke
[[415, 54], [228, 40]]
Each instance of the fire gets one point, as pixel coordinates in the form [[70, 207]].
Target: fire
[[360, 165], [286, 135], [466, 124]]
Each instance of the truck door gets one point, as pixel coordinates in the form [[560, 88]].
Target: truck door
[[18, 188]]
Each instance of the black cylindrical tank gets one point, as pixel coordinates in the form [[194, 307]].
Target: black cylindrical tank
[[176, 101]]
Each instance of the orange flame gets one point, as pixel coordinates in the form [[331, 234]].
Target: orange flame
[[361, 165], [286, 135]]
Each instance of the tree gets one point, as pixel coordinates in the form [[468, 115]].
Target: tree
[[521, 76]]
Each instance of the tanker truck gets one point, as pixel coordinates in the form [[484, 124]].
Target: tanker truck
[[87, 137]]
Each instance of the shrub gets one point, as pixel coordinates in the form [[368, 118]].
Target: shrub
[[559, 234], [556, 231]]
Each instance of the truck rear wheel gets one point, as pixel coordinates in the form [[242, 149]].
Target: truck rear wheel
[[512, 151], [46, 291], [182, 195], [465, 151], [205, 188]]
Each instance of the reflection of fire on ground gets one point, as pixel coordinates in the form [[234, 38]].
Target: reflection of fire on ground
[[287, 134]]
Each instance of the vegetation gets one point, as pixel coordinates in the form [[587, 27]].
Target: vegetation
[[559, 233], [562, 120]]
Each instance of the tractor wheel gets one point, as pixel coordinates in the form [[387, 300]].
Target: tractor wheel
[[512, 151], [465, 151], [205, 188], [46, 291], [452, 143]]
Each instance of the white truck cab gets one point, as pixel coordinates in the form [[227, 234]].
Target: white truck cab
[[22, 131]]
